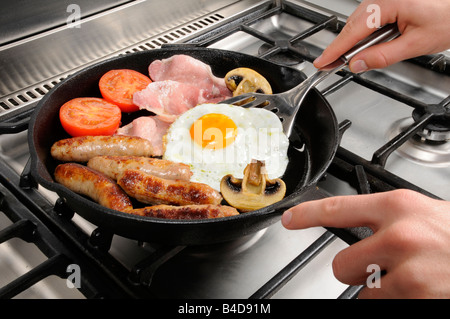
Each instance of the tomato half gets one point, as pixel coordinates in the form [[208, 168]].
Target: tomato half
[[118, 87], [90, 116]]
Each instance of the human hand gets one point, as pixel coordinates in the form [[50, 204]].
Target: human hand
[[410, 241], [423, 25]]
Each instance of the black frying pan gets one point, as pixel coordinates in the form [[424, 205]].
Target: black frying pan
[[316, 126]]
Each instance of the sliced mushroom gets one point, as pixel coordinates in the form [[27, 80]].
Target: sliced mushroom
[[245, 80], [254, 191]]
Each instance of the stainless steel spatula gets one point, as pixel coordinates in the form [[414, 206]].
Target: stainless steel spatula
[[287, 104]]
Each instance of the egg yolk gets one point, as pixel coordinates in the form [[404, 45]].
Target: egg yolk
[[213, 131]]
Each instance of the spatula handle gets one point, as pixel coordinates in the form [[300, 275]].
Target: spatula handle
[[384, 34]]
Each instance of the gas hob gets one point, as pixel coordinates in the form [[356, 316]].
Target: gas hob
[[386, 144]]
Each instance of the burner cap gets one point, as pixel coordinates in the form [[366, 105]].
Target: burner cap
[[438, 130], [423, 151]]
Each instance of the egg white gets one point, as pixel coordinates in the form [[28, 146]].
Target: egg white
[[259, 136]]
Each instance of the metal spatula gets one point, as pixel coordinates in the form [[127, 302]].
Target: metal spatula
[[287, 104]]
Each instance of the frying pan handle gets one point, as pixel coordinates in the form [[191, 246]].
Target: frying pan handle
[[14, 127], [384, 34]]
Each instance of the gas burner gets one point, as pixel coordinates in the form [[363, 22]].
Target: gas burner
[[434, 151], [438, 129]]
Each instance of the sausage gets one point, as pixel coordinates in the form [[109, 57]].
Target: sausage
[[100, 188], [83, 148], [150, 189], [112, 166], [186, 212]]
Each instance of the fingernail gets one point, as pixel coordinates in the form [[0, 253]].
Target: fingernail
[[286, 218], [317, 60], [359, 66]]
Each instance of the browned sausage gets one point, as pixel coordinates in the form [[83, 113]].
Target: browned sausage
[[112, 166], [150, 189], [85, 181], [186, 212], [82, 148]]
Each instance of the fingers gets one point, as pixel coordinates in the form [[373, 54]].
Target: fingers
[[387, 289], [392, 286], [339, 212], [400, 236], [356, 29], [385, 54], [351, 265], [370, 210], [424, 31]]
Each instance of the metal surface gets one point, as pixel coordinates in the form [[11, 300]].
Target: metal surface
[[374, 118], [25, 18], [30, 67], [17, 257], [240, 268]]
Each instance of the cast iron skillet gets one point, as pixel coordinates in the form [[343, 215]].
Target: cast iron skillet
[[316, 126]]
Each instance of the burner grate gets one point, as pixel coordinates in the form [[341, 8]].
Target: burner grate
[[35, 220], [26, 227], [51, 227]]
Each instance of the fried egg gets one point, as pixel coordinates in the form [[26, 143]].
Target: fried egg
[[220, 139]]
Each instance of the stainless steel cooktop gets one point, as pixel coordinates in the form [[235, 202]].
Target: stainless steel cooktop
[[32, 64]]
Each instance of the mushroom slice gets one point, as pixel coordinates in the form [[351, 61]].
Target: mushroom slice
[[245, 80], [254, 191]]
